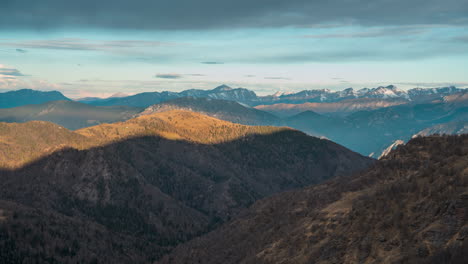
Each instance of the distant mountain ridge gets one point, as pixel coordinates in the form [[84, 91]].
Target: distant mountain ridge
[[381, 92], [249, 97], [150, 98], [28, 96], [241, 95]]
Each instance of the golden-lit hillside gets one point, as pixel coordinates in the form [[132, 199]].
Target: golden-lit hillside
[[24, 142], [21, 143], [177, 124]]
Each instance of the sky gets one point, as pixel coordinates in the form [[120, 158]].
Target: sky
[[98, 48]]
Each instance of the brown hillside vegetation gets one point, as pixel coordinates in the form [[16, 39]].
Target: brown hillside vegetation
[[178, 124], [411, 207], [21, 143], [138, 193], [24, 142]]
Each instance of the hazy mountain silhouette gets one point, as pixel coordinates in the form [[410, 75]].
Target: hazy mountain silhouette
[[69, 114], [28, 96]]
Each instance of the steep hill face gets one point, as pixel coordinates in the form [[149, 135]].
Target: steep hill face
[[410, 207], [145, 185], [27, 96], [69, 114], [222, 109]]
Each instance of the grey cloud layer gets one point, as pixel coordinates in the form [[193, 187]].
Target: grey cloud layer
[[204, 14], [378, 32], [10, 72], [82, 44], [168, 76], [276, 78], [177, 75]]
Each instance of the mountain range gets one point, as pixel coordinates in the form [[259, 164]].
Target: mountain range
[[242, 95], [128, 192], [366, 120], [410, 207], [149, 98], [250, 98]]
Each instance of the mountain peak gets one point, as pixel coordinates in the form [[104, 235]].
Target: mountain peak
[[223, 87]]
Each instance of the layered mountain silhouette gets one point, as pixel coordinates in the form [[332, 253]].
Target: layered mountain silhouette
[[388, 93], [373, 131], [410, 207], [367, 120], [365, 98], [69, 114], [28, 96], [129, 192]]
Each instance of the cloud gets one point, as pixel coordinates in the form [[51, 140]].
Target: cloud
[[195, 74], [433, 84], [352, 54], [177, 75], [461, 38], [81, 44], [169, 76], [10, 72], [375, 33], [276, 78], [207, 14], [212, 62]]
